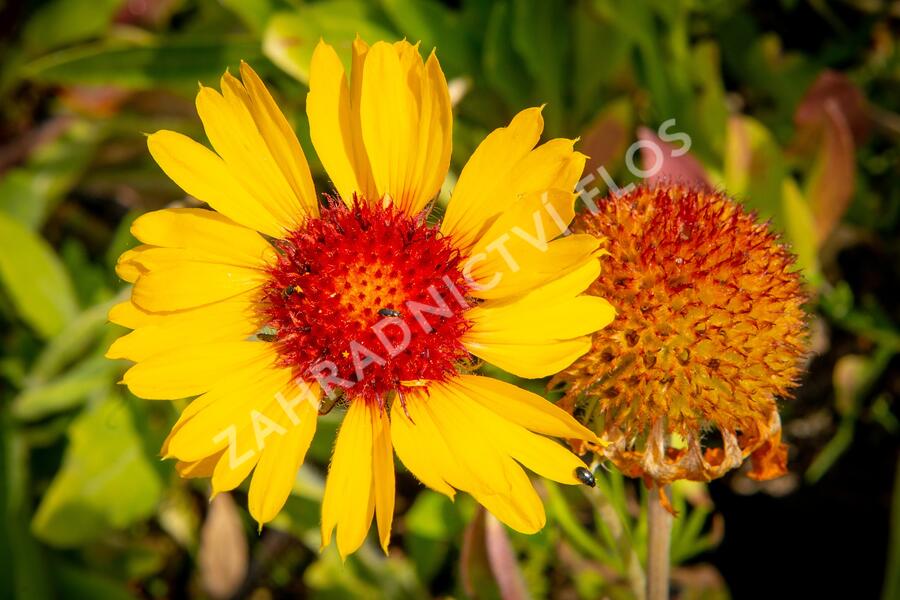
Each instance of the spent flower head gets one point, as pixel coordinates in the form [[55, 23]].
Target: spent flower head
[[709, 334]]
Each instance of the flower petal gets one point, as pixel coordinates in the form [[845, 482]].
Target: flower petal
[[334, 122], [422, 449], [279, 462], [235, 137], [237, 414], [389, 120], [530, 360], [280, 139], [383, 474], [187, 284], [200, 173], [472, 203], [349, 501], [522, 407], [204, 230], [230, 320], [192, 370]]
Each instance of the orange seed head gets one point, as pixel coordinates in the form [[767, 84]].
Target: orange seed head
[[710, 332]]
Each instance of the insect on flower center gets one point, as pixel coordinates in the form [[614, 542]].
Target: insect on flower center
[[365, 298]]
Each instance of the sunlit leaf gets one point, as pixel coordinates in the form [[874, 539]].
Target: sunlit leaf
[[291, 37], [66, 391], [60, 22], [436, 26], [432, 523], [754, 167], [34, 279], [106, 481], [254, 13], [541, 38], [177, 62], [800, 229], [505, 69]]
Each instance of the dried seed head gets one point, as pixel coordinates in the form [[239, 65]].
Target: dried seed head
[[710, 332]]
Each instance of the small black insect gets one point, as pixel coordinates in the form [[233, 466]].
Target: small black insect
[[267, 337], [289, 291], [585, 476], [388, 312]]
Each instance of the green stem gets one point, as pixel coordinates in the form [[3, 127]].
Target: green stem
[[660, 537]]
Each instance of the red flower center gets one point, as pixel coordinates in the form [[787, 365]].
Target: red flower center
[[366, 297]]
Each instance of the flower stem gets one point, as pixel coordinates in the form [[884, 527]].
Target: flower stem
[[659, 524]]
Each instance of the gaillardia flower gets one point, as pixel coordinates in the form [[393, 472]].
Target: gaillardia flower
[[274, 300], [710, 332]]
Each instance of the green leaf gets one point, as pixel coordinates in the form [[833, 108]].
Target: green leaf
[[438, 27], [67, 391], [176, 62], [592, 77], [754, 168], [800, 229], [72, 342], [254, 13], [432, 524], [61, 22], [34, 279], [106, 482], [541, 38], [291, 37], [505, 70]]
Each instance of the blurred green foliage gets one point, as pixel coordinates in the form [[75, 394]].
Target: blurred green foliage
[[791, 107]]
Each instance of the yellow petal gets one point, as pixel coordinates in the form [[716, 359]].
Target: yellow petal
[[274, 476], [127, 314], [524, 512], [203, 175], [539, 454], [482, 465], [182, 285], [192, 370], [230, 320], [529, 323], [472, 203], [229, 474], [281, 140], [235, 137], [383, 474], [198, 468], [522, 407], [204, 230], [349, 501], [530, 360], [554, 165], [332, 126], [128, 267], [234, 415], [389, 120], [421, 447], [523, 248]]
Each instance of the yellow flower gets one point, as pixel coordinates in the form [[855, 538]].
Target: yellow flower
[[710, 332], [274, 300]]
